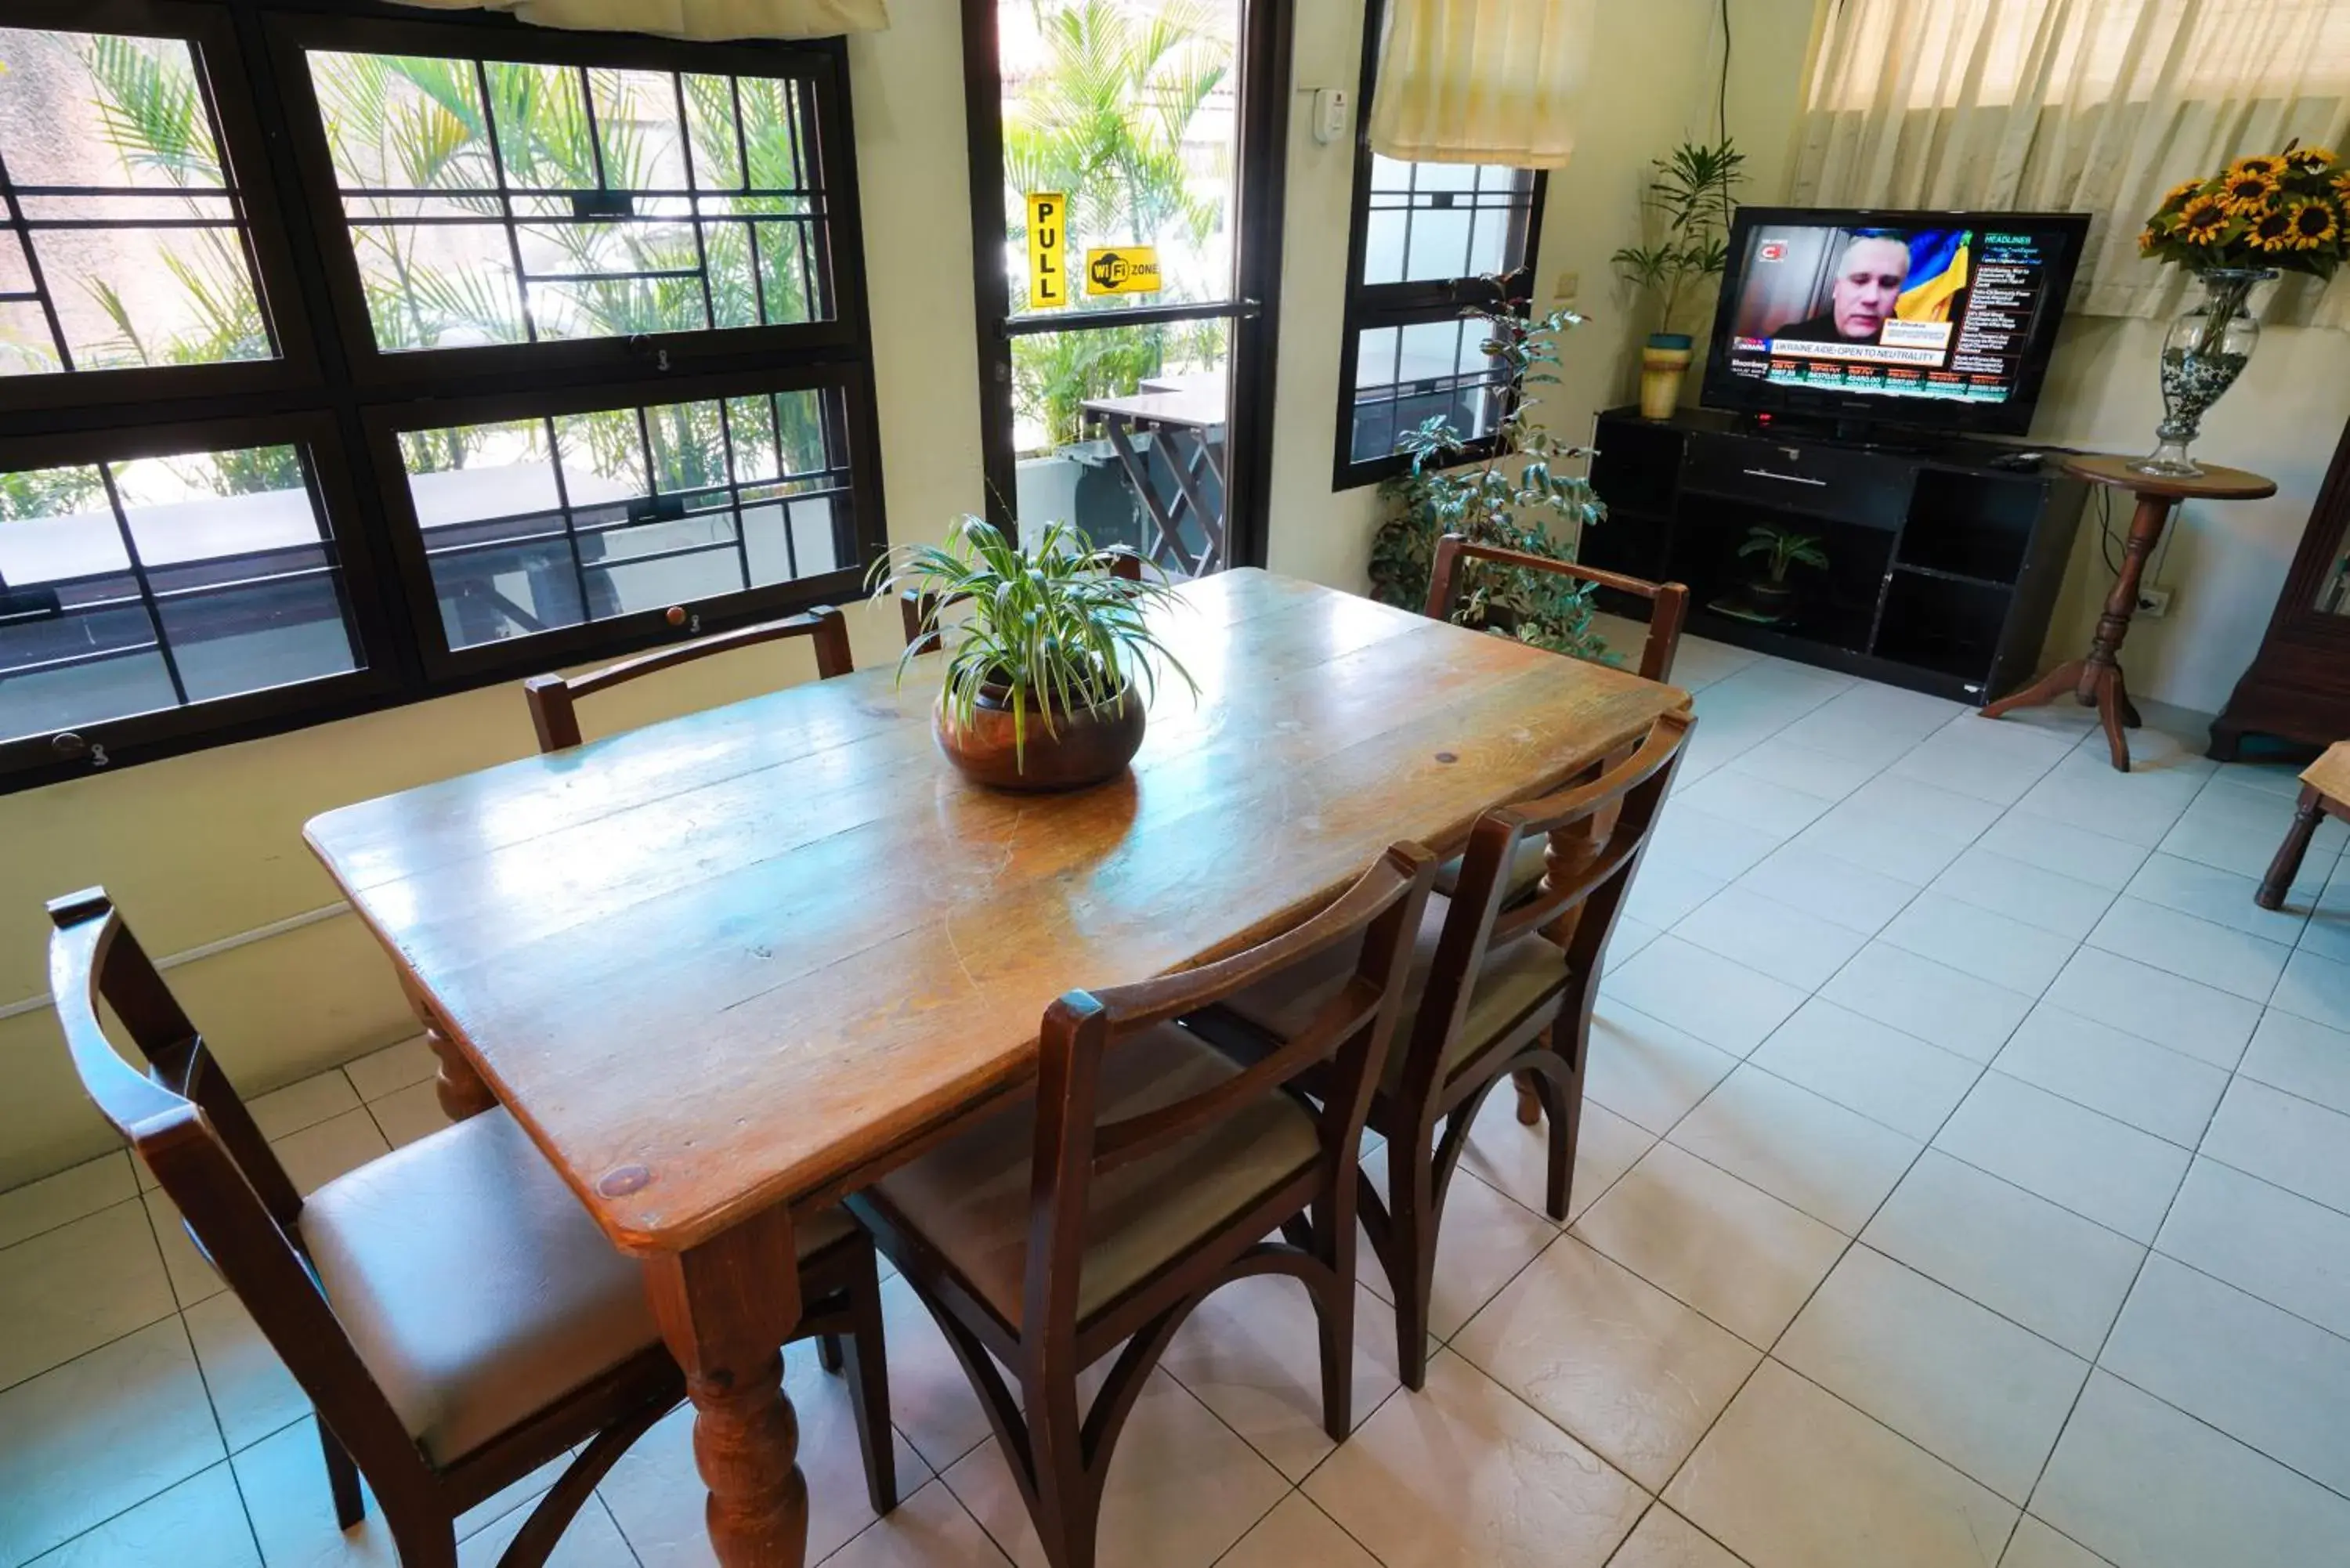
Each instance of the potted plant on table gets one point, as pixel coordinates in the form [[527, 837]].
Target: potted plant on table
[[1770, 597], [1048, 677], [1686, 210], [2285, 212]]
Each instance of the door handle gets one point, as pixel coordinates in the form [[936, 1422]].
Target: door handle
[[1784, 478]]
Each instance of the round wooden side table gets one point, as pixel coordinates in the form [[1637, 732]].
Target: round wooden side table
[[2097, 679]]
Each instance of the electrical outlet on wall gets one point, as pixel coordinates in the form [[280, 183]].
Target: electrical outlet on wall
[[1565, 287], [2153, 603]]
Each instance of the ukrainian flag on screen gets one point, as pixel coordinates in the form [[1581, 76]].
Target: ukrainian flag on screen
[[1937, 275]]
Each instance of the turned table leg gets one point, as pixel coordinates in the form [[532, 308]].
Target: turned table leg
[[726, 1309], [2101, 678], [2278, 883], [2096, 680], [456, 1085]]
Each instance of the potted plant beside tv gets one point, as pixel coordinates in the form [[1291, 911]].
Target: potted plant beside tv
[[1686, 210], [1048, 676], [1770, 597]]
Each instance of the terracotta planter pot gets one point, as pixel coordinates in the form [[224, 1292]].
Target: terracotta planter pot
[[1080, 749], [1775, 600]]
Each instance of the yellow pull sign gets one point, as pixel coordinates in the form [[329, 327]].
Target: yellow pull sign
[[1048, 241], [1128, 269]]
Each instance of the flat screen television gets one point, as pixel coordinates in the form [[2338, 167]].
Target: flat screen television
[[1942, 320]]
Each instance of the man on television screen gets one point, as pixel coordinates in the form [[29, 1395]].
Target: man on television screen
[[1868, 282]]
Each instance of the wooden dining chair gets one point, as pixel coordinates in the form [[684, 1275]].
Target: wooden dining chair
[[1496, 985], [452, 1311], [1668, 602], [1148, 1170], [920, 611], [1668, 609], [552, 698]]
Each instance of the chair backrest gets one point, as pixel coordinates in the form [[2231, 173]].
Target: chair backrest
[[552, 698], [920, 611], [1380, 914], [1668, 602], [1598, 828], [185, 1121]]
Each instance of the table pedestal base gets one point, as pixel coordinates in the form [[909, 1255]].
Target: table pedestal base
[[2096, 680], [2093, 685]]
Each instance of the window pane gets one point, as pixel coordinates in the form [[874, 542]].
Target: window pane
[[501, 201], [1440, 244], [128, 250], [1130, 112], [1123, 430], [1432, 221], [531, 525], [157, 582], [1427, 370]]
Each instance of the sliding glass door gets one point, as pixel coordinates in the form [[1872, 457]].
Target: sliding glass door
[[1125, 178]]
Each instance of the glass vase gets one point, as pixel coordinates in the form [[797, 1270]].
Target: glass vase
[[2204, 352]]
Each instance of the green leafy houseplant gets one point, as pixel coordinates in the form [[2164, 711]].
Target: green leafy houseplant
[[1053, 633], [1520, 497], [1769, 597], [1686, 213], [1785, 550]]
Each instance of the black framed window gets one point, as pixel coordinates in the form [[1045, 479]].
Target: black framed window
[[574, 338], [579, 512], [494, 200], [174, 577], [135, 183], [1424, 238]]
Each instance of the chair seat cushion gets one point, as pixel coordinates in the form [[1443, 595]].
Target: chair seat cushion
[[474, 1285], [969, 1197], [1526, 868], [1517, 977]]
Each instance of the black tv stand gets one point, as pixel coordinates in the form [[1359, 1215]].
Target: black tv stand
[[1863, 435], [1942, 568]]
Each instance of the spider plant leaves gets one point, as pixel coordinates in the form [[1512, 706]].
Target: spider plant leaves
[[1051, 631]]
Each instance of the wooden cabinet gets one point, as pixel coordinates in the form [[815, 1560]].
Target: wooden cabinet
[[1942, 569], [2298, 688]]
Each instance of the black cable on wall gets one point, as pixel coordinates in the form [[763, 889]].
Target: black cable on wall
[[1721, 103]]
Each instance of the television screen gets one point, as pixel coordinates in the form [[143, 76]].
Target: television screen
[[1942, 318]]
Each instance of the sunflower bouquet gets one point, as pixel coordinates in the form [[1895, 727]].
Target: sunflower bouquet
[[2287, 210]]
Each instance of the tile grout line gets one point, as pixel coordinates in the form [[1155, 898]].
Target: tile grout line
[[1299, 1487], [176, 1311], [2207, 1425], [2096, 1362], [1769, 1353], [136, 1191], [1559, 1230]]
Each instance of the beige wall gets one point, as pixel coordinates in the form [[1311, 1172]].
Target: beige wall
[[1653, 85]]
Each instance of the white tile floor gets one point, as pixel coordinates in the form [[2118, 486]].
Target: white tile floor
[[1966, 1180]]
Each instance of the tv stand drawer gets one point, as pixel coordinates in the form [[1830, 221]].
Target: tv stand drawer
[[1816, 479]]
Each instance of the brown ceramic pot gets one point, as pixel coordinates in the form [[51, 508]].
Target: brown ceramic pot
[[1080, 749]]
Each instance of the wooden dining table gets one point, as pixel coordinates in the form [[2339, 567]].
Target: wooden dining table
[[728, 966]]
